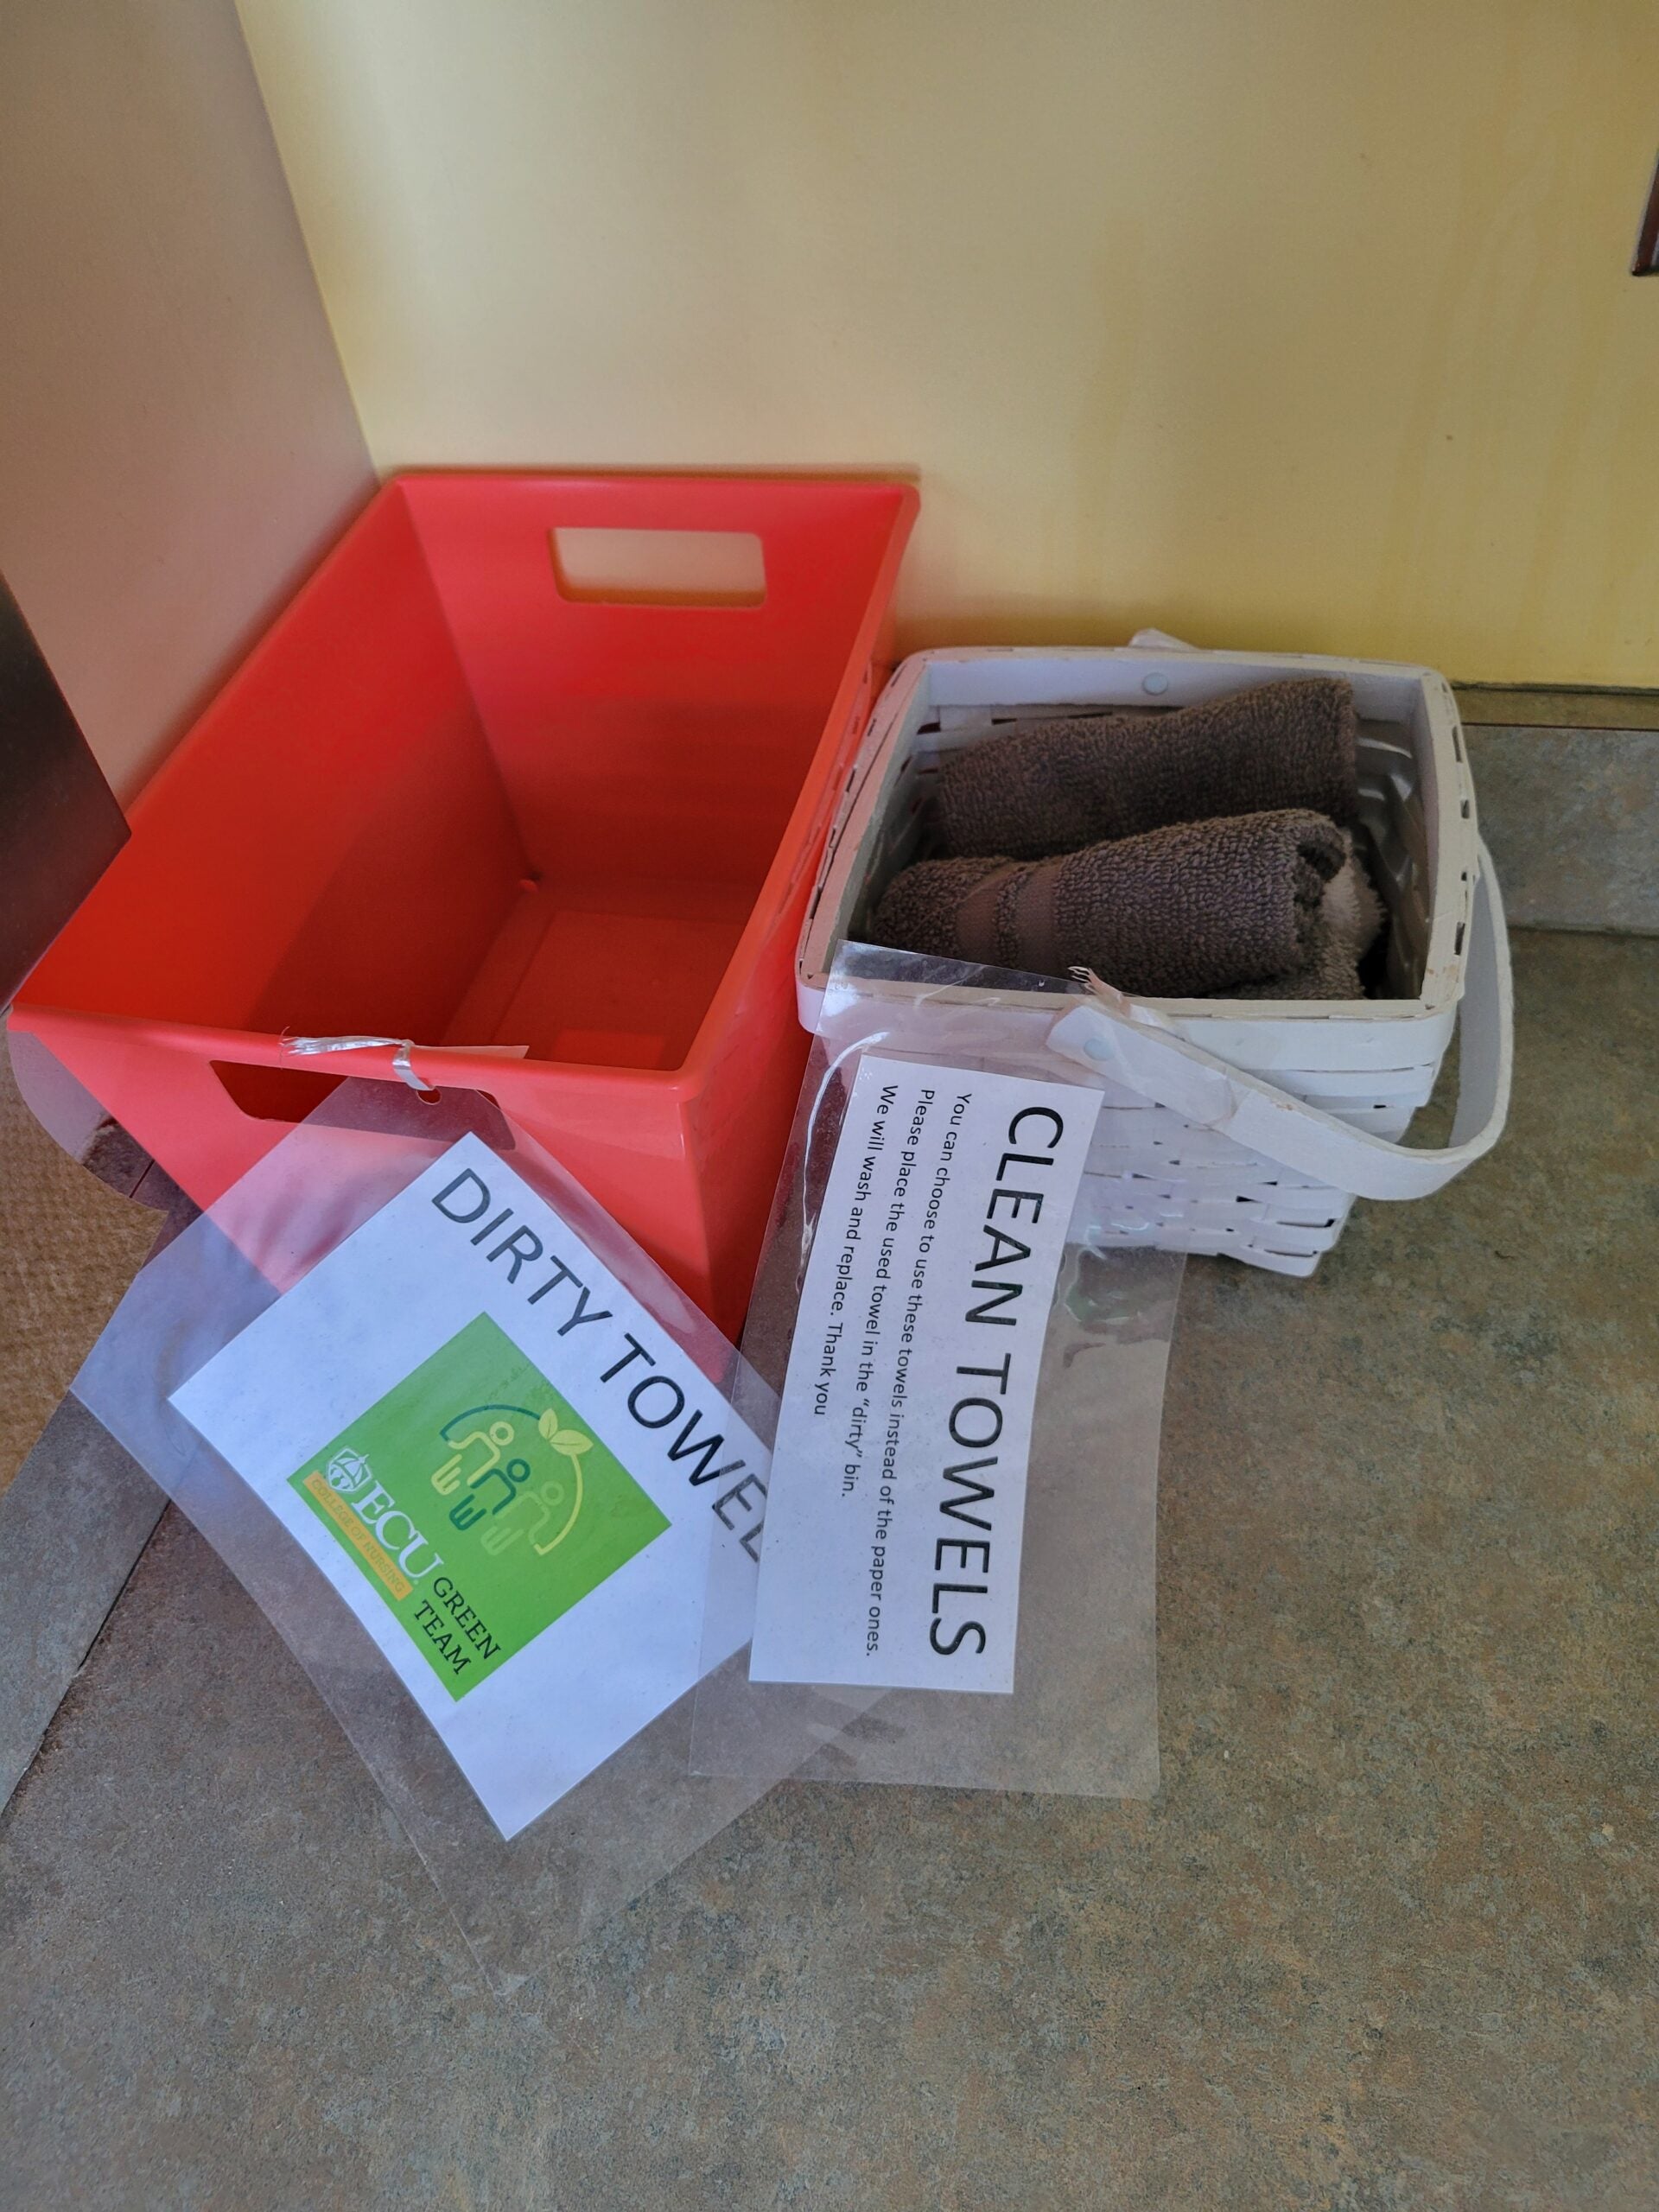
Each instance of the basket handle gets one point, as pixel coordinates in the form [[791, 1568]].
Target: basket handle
[[1115, 1037]]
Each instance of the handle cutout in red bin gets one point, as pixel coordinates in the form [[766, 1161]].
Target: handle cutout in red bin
[[266, 1094], [660, 567]]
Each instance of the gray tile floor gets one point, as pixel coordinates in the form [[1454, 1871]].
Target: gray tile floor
[[1384, 1941]]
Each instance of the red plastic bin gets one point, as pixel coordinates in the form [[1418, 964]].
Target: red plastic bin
[[446, 799]]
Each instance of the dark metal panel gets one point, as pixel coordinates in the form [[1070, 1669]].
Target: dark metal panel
[[59, 824]]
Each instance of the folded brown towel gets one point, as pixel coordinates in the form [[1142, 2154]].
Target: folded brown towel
[[1351, 914], [1053, 787], [1175, 913]]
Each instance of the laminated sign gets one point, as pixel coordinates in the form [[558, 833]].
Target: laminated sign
[[891, 1557], [504, 1465]]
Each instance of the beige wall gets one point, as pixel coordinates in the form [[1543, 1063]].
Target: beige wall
[[176, 438], [1276, 321]]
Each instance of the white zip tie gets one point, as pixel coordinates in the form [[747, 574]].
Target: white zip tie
[[401, 1065]]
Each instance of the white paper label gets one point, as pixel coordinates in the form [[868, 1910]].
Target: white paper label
[[891, 1555], [506, 1466]]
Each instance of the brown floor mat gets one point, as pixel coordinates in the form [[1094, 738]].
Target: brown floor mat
[[68, 1248]]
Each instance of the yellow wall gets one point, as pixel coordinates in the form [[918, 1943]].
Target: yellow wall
[[1277, 322], [176, 440]]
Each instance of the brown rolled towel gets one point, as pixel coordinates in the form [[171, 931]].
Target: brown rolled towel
[[1350, 915], [1175, 913], [1054, 787]]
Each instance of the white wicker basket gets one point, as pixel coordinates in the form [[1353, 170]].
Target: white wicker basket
[[1246, 1127]]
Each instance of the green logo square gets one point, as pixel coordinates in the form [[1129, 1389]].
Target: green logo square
[[477, 1504]]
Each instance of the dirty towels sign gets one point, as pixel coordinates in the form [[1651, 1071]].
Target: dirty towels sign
[[891, 1556], [504, 1465]]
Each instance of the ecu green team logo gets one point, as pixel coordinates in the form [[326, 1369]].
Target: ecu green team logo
[[477, 1503]]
